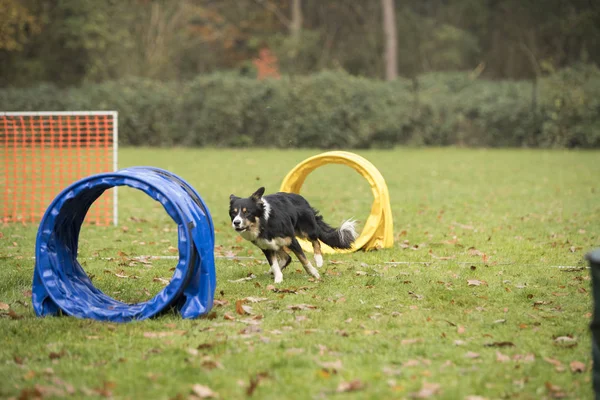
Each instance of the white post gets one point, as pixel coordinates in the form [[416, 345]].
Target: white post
[[115, 166]]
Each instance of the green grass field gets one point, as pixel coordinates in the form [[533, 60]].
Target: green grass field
[[469, 304]]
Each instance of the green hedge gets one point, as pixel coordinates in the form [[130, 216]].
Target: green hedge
[[336, 110]]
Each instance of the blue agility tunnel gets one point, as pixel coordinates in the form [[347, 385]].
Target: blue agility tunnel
[[60, 285]]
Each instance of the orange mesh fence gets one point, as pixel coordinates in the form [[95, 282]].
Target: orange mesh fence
[[43, 153]]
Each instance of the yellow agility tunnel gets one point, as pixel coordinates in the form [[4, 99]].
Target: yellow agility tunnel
[[378, 232]]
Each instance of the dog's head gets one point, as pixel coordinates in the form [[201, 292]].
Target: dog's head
[[246, 212]]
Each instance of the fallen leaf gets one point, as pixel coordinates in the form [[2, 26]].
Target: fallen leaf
[[229, 317], [254, 381], [577, 366], [552, 361], [351, 386], [361, 273], [471, 354], [164, 334], [301, 307], [473, 397], [220, 303], [392, 371], [13, 315], [499, 344], [161, 280], [474, 282], [410, 341], [528, 358], [332, 366], [502, 357], [4, 306], [565, 341], [411, 363], [247, 278], [204, 392], [254, 299], [105, 390], [427, 390], [555, 391], [472, 251], [242, 309], [70, 389], [56, 355], [29, 375]]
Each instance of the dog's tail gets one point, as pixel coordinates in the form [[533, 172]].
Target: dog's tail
[[340, 238]]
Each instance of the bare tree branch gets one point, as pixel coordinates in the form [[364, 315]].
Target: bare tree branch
[[273, 9]]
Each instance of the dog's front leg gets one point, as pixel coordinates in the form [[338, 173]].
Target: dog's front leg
[[274, 263]]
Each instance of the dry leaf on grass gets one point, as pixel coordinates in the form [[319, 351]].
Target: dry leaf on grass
[[164, 281], [254, 381], [528, 358], [351, 386], [565, 341], [4, 306], [428, 390], [577, 366], [242, 309], [297, 307], [475, 282], [164, 334], [203, 392], [471, 354], [499, 344], [247, 278], [334, 366], [404, 342], [254, 299], [502, 357], [555, 391], [552, 361]]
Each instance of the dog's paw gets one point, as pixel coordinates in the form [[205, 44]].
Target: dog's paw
[[278, 278], [316, 275], [318, 260]]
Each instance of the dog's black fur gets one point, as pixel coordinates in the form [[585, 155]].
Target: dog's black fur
[[274, 221]]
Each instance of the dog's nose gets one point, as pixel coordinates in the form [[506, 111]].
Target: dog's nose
[[236, 222]]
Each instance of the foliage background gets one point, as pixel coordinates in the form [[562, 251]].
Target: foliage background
[[472, 72]]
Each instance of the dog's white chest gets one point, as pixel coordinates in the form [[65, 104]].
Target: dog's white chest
[[272, 244], [249, 235]]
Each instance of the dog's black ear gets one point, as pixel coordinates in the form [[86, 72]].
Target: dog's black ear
[[232, 198], [258, 194]]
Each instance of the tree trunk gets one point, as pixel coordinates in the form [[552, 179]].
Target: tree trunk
[[296, 22], [391, 45]]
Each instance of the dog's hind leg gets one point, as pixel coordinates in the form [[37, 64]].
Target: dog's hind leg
[[317, 250], [295, 247]]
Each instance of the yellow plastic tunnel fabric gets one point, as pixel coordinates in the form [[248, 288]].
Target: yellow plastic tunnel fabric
[[378, 231]]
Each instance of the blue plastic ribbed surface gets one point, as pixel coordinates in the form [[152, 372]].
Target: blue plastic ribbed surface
[[61, 284]]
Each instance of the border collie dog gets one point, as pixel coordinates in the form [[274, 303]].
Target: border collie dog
[[274, 221]]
